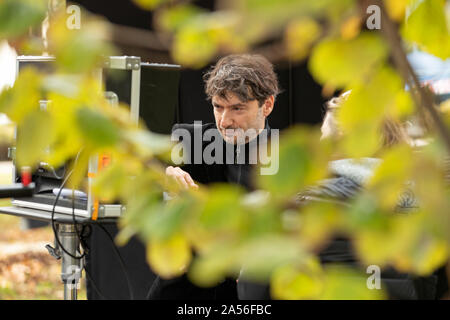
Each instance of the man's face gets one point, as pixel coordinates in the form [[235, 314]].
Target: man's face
[[237, 121]]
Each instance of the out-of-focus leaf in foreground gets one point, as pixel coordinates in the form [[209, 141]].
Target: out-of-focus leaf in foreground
[[17, 16], [435, 38]]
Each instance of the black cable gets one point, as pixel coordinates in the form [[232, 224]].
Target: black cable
[[94, 285], [154, 285], [85, 235], [53, 221], [55, 233], [122, 263], [75, 223]]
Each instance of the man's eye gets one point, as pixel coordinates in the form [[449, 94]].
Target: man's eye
[[237, 109]]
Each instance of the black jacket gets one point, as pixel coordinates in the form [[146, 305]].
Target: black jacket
[[224, 171]]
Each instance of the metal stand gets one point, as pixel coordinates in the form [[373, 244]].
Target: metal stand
[[67, 234], [70, 267]]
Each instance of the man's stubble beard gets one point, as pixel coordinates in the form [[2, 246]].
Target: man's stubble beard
[[239, 136]]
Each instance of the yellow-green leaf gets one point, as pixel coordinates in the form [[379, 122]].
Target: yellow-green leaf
[[390, 178], [341, 62], [33, 138], [291, 283], [173, 18], [396, 9], [427, 26], [17, 16], [343, 283], [299, 37], [294, 163], [169, 258], [17, 102], [149, 4], [193, 47], [97, 129]]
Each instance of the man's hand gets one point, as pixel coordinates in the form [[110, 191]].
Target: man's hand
[[182, 177]]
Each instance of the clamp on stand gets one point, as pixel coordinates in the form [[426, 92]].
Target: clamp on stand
[[70, 267]]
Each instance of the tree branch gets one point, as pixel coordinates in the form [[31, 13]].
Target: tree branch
[[424, 101]]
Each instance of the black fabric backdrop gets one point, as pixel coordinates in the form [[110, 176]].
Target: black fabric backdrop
[[300, 102]]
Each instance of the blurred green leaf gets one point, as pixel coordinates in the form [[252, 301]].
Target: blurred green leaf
[[256, 13], [34, 137], [390, 178], [193, 47], [299, 37], [170, 257], [253, 259], [204, 35], [17, 16], [396, 9], [382, 245], [340, 63], [295, 283], [17, 102], [427, 27], [343, 283], [365, 214], [296, 167], [210, 269], [222, 209], [98, 130], [261, 256], [109, 182], [319, 221], [148, 144], [351, 27], [149, 4], [166, 219], [369, 104], [174, 18], [79, 50]]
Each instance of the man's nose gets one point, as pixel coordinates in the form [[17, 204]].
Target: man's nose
[[226, 120]]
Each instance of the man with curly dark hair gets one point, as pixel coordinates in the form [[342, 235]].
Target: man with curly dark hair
[[242, 89]]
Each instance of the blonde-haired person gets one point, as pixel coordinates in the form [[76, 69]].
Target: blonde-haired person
[[392, 132], [348, 178], [346, 181]]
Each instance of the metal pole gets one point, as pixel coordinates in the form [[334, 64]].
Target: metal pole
[[70, 267]]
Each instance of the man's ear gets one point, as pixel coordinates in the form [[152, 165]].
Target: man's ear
[[268, 105]]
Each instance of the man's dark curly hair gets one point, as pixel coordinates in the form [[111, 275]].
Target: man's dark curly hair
[[248, 76]]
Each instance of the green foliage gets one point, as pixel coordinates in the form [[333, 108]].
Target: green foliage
[[32, 141], [16, 17], [435, 38], [264, 235], [79, 50], [169, 258], [299, 37], [343, 62], [23, 98], [96, 128], [297, 168], [149, 4], [174, 18]]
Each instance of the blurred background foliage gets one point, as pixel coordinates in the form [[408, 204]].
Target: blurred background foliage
[[231, 230]]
